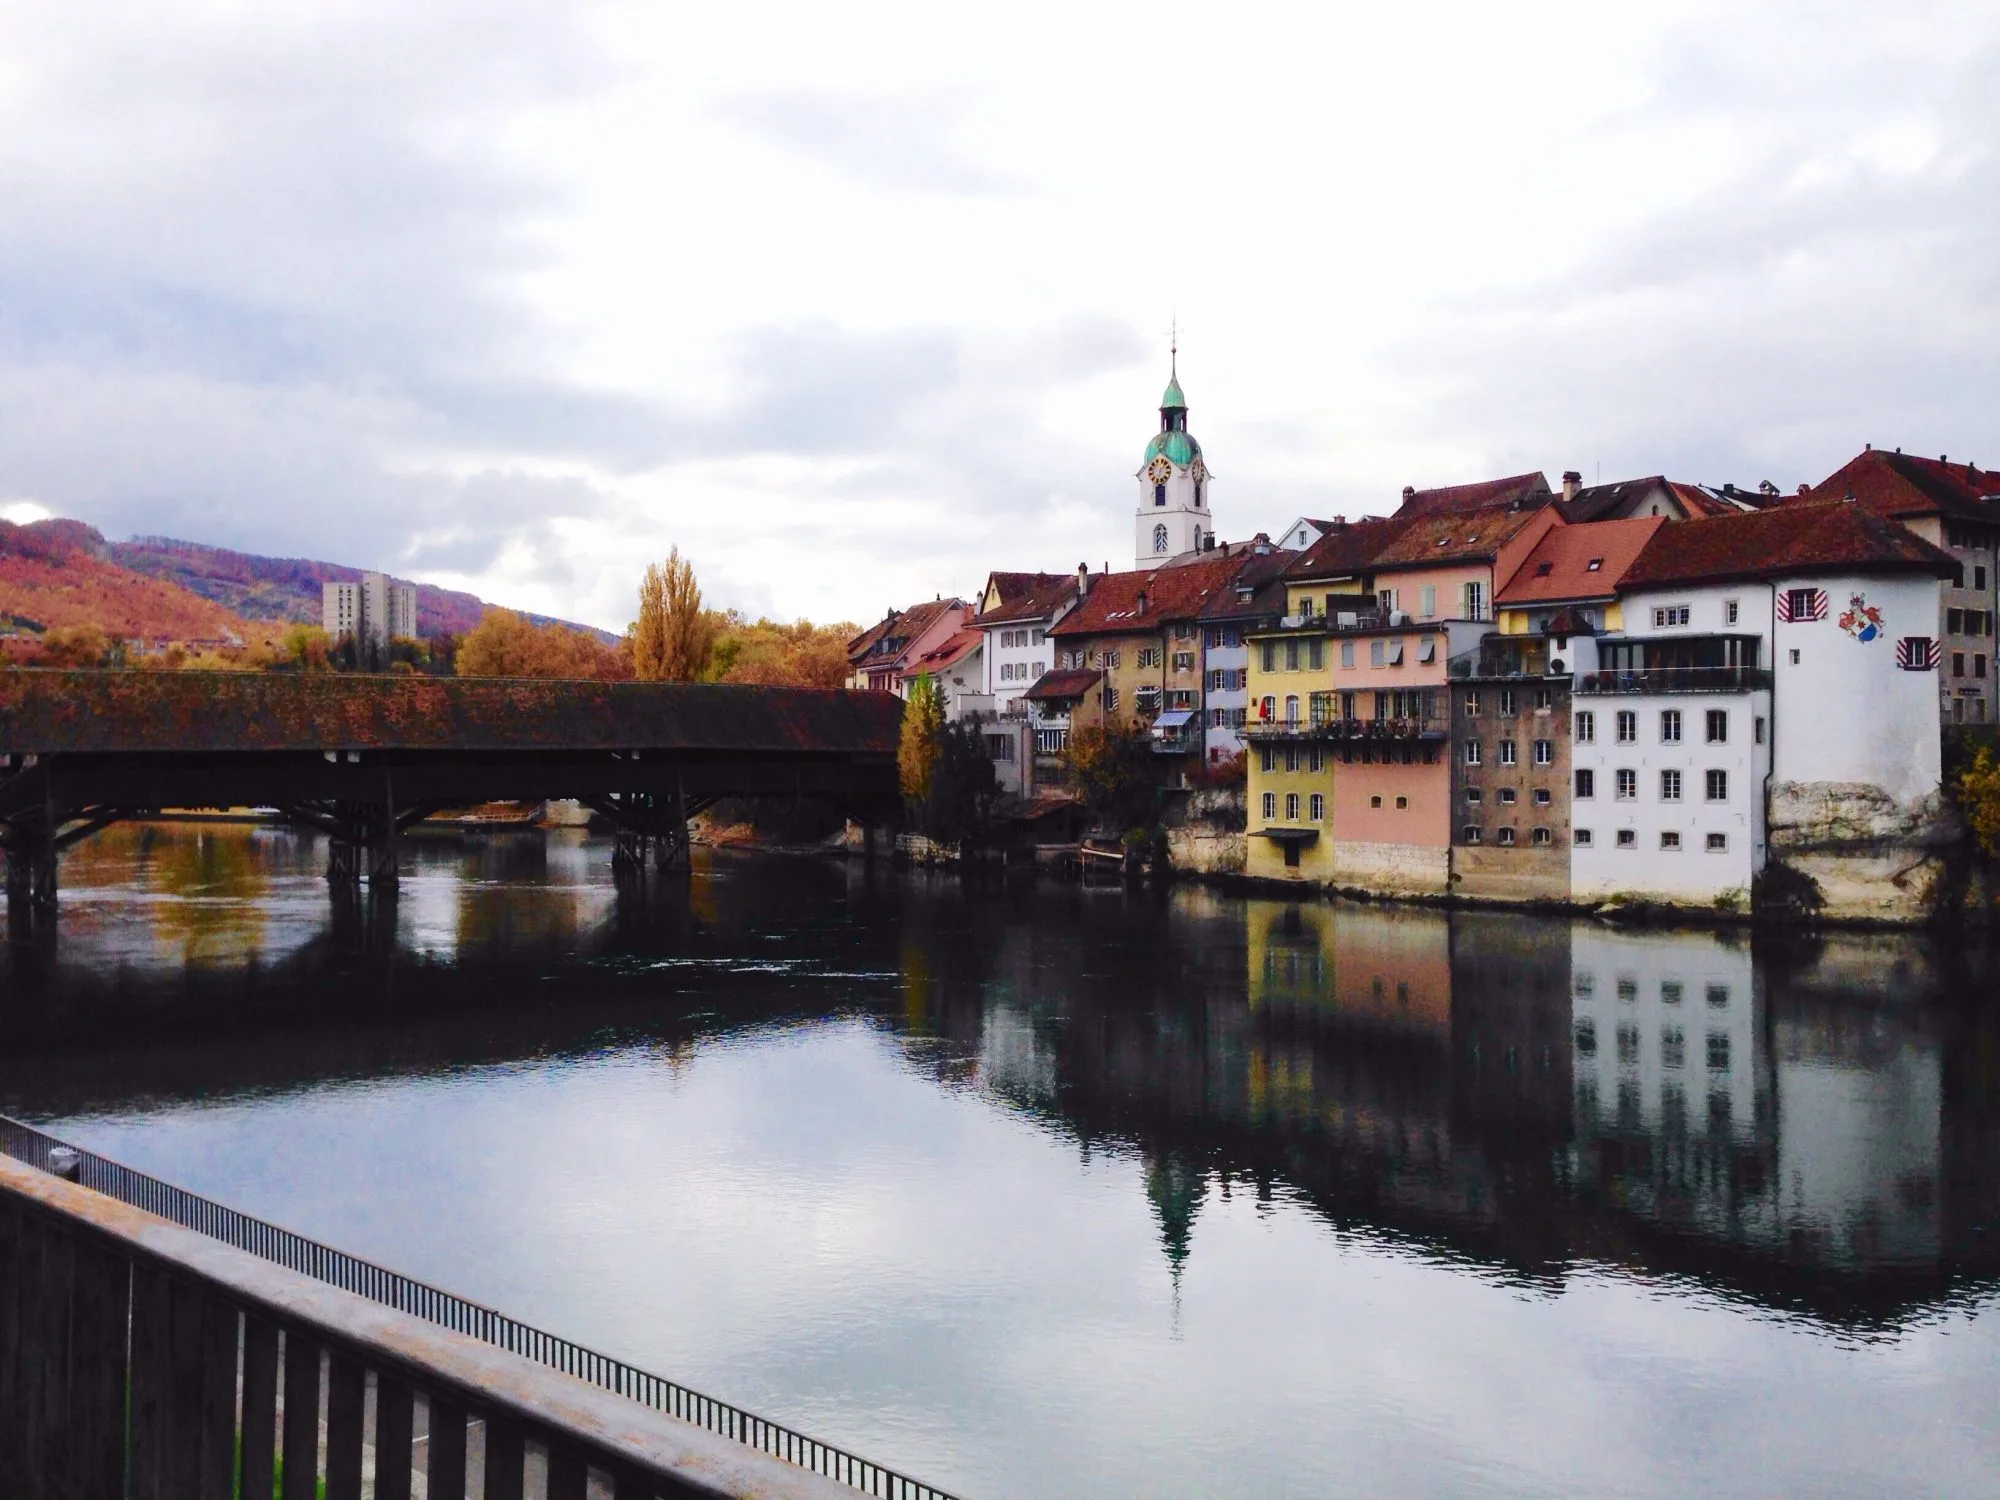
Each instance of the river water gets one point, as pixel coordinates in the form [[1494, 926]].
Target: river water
[[1041, 1190]]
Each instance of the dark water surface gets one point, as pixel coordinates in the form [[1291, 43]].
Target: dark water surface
[[1038, 1191]]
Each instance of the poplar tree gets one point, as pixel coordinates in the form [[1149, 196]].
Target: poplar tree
[[674, 638], [922, 742]]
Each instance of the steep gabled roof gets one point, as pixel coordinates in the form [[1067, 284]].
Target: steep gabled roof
[[1114, 602], [1068, 682], [949, 653], [1580, 562], [1262, 576], [1828, 536], [1454, 536], [1528, 490], [1348, 548], [878, 644], [1047, 593], [1903, 486]]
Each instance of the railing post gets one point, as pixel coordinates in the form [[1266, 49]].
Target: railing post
[[346, 1398], [506, 1459], [301, 1417], [445, 1475], [260, 1407], [394, 1422]]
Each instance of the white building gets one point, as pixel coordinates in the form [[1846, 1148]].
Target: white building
[[1669, 750], [1173, 515], [373, 610], [1015, 614]]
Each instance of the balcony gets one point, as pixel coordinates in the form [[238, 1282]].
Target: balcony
[[1342, 731], [1674, 680]]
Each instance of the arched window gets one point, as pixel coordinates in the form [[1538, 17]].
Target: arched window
[[1291, 807], [1160, 538], [1159, 494], [1197, 494]]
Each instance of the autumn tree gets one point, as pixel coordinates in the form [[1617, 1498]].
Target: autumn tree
[[75, 646], [921, 745], [1978, 789], [778, 654], [506, 644], [1111, 770], [674, 637]]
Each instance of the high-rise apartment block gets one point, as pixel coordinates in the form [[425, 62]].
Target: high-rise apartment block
[[373, 610]]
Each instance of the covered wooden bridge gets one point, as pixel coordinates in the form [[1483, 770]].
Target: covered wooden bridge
[[361, 758]]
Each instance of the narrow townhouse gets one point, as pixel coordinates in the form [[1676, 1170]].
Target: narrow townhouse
[[1955, 507], [1255, 597], [877, 657], [1511, 825], [1016, 611], [956, 667]]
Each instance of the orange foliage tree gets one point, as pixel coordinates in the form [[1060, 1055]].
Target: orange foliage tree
[[506, 644], [799, 654]]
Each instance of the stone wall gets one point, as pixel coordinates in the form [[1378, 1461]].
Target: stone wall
[[1392, 869], [1493, 873], [1871, 857]]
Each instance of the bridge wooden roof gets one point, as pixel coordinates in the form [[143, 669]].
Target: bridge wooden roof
[[80, 712]]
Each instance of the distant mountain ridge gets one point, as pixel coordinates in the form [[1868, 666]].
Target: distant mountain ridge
[[243, 584]]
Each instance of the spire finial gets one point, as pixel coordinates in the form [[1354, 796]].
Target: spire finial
[[1174, 346]]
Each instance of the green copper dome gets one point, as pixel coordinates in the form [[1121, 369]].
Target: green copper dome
[[1173, 400], [1178, 446]]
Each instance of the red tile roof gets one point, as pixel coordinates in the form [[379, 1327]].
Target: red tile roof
[[1560, 566], [1902, 485], [1070, 682], [1800, 537], [1113, 605], [1455, 536], [1263, 575], [1530, 490], [954, 649], [1036, 600], [1349, 548]]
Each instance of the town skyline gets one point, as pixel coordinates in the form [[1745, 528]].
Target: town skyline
[[501, 300]]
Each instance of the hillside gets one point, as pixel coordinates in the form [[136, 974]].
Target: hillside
[[286, 588], [55, 574]]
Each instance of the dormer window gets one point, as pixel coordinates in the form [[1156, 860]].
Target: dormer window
[[1542, 570], [1596, 564]]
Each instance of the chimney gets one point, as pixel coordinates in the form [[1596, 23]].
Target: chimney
[[1082, 580], [1409, 493], [1805, 489], [1765, 487], [1572, 482]]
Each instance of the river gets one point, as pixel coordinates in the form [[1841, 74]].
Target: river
[[1045, 1190]]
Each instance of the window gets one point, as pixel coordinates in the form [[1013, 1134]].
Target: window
[[1472, 752], [1268, 650], [1795, 656], [1378, 653], [1545, 752], [1474, 796], [1954, 621], [1347, 653], [1978, 666], [1160, 531], [1670, 726], [1627, 839], [1318, 808], [1958, 663], [1586, 1037], [1731, 611], [1628, 786], [1628, 1042], [1291, 656], [1266, 759], [1670, 786], [1374, 801], [1218, 718], [1427, 601], [1183, 661], [1470, 834], [1545, 700], [1473, 597], [1267, 707], [1149, 656], [1291, 708], [1801, 606], [1718, 1051], [1472, 705], [1673, 1047], [1111, 700], [1759, 728], [1270, 803], [1979, 577], [1542, 797], [1586, 728], [1718, 843], [1670, 615], [1402, 804], [1582, 838], [1718, 726], [1305, 606], [1315, 759], [1506, 796], [1669, 840], [1215, 680], [1718, 995], [1718, 786], [1291, 807], [1291, 757], [1628, 727], [1507, 756], [1507, 837], [1111, 660], [1315, 654], [1506, 700]]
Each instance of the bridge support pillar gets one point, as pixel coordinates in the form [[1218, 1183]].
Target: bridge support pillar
[[31, 872]]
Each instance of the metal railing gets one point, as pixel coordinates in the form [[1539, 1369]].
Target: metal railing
[[1408, 727], [393, 1289], [1673, 680]]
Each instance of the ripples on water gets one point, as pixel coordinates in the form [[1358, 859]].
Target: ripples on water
[[1036, 1190]]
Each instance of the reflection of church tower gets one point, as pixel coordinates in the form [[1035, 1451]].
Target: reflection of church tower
[[1176, 1188], [1173, 485]]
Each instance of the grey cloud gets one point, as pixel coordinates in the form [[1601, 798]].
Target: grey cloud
[[901, 144]]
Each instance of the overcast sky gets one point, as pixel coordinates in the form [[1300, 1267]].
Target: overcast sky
[[855, 303]]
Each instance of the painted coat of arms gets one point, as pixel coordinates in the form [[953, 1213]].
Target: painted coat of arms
[[1861, 619]]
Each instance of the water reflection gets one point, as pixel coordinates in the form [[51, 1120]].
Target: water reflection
[[1806, 1129]]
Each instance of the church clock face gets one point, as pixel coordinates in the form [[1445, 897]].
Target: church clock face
[[1199, 470], [1159, 470]]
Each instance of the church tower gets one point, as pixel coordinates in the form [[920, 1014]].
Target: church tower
[[1173, 512]]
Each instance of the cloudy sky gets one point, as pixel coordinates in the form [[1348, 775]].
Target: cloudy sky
[[854, 303]]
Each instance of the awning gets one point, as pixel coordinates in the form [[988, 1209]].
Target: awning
[[1173, 719], [1289, 835]]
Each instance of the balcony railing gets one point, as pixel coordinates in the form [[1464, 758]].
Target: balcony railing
[[1674, 680], [1411, 727]]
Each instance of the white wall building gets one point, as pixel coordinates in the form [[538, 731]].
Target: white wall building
[[1670, 747], [373, 610], [1016, 654]]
